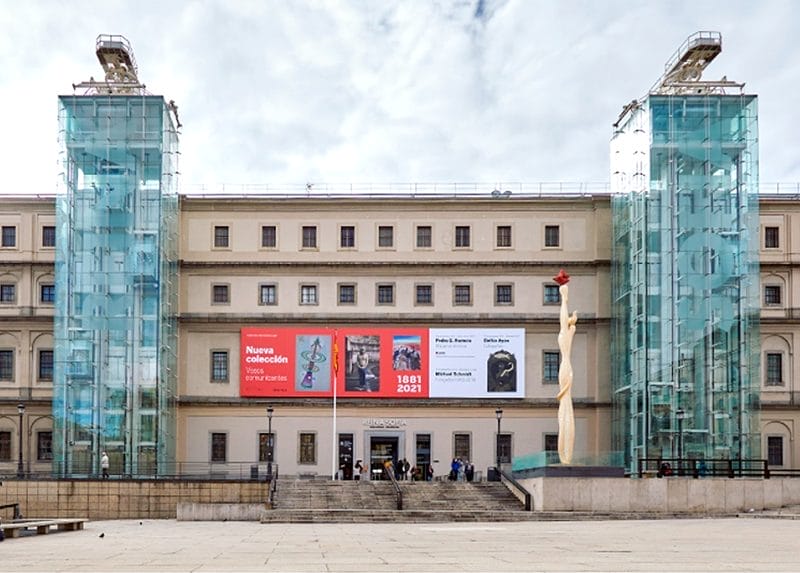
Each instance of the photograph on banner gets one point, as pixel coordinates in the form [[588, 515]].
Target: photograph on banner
[[384, 362], [477, 363], [286, 362]]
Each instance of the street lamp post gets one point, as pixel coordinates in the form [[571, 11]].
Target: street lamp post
[[20, 465], [499, 414], [270, 410]]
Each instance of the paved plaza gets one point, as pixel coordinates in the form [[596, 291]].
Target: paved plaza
[[636, 545]]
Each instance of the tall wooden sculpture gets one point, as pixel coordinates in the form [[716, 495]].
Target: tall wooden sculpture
[[566, 418]]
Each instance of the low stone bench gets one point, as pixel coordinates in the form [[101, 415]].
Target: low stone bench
[[43, 526]]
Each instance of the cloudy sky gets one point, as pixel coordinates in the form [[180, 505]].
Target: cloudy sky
[[274, 91]]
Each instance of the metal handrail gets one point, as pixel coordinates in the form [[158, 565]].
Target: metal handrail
[[696, 468], [389, 471], [273, 486], [507, 478]]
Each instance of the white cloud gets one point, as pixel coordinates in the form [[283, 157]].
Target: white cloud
[[403, 91]]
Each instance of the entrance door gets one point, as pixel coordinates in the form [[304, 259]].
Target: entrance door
[[346, 455], [423, 457], [381, 449]]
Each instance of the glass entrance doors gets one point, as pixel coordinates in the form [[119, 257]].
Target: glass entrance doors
[[346, 455], [380, 450]]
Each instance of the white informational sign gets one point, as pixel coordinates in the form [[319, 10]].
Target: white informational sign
[[477, 363]]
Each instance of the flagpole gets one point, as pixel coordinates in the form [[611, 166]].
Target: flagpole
[[335, 363]]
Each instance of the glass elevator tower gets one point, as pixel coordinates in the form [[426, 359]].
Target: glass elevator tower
[[116, 274], [685, 266]]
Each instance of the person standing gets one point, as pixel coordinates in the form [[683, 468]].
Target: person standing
[[362, 362], [104, 464]]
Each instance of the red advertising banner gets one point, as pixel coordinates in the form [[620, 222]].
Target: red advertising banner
[[370, 362]]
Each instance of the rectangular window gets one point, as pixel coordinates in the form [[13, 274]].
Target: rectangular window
[[347, 294], [550, 361], [772, 294], [551, 442], [267, 294], [551, 294], [308, 448], [309, 237], [424, 294], [45, 365], [308, 294], [8, 293], [221, 237], [504, 236], [504, 448], [269, 236], [462, 237], [775, 450], [461, 446], [503, 294], [219, 365], [424, 237], [347, 237], [44, 446], [774, 369], [220, 294], [6, 365], [47, 294], [771, 238], [385, 294], [462, 295], [266, 447], [552, 236], [48, 236], [219, 447], [385, 237], [9, 237], [5, 446]]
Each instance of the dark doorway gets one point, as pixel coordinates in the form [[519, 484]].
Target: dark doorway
[[381, 449], [423, 455], [346, 455]]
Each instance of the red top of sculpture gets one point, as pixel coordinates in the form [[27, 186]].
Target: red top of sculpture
[[562, 277]]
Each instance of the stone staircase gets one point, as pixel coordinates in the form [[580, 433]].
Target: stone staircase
[[318, 501]]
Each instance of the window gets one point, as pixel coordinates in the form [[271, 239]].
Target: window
[[504, 448], [308, 294], [385, 237], [551, 442], [219, 365], [462, 236], [775, 450], [309, 237], [424, 294], [550, 361], [221, 237], [268, 294], [461, 446], [44, 446], [347, 237], [269, 236], [48, 236], [45, 365], [385, 294], [8, 293], [9, 237], [503, 294], [462, 295], [6, 365], [220, 294], [266, 447], [504, 236], [771, 238], [774, 369], [772, 294], [552, 235], [47, 294], [219, 447], [424, 237], [5, 446], [308, 448], [551, 294], [347, 294]]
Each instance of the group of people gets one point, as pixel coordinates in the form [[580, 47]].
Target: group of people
[[461, 470], [406, 358], [403, 471]]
